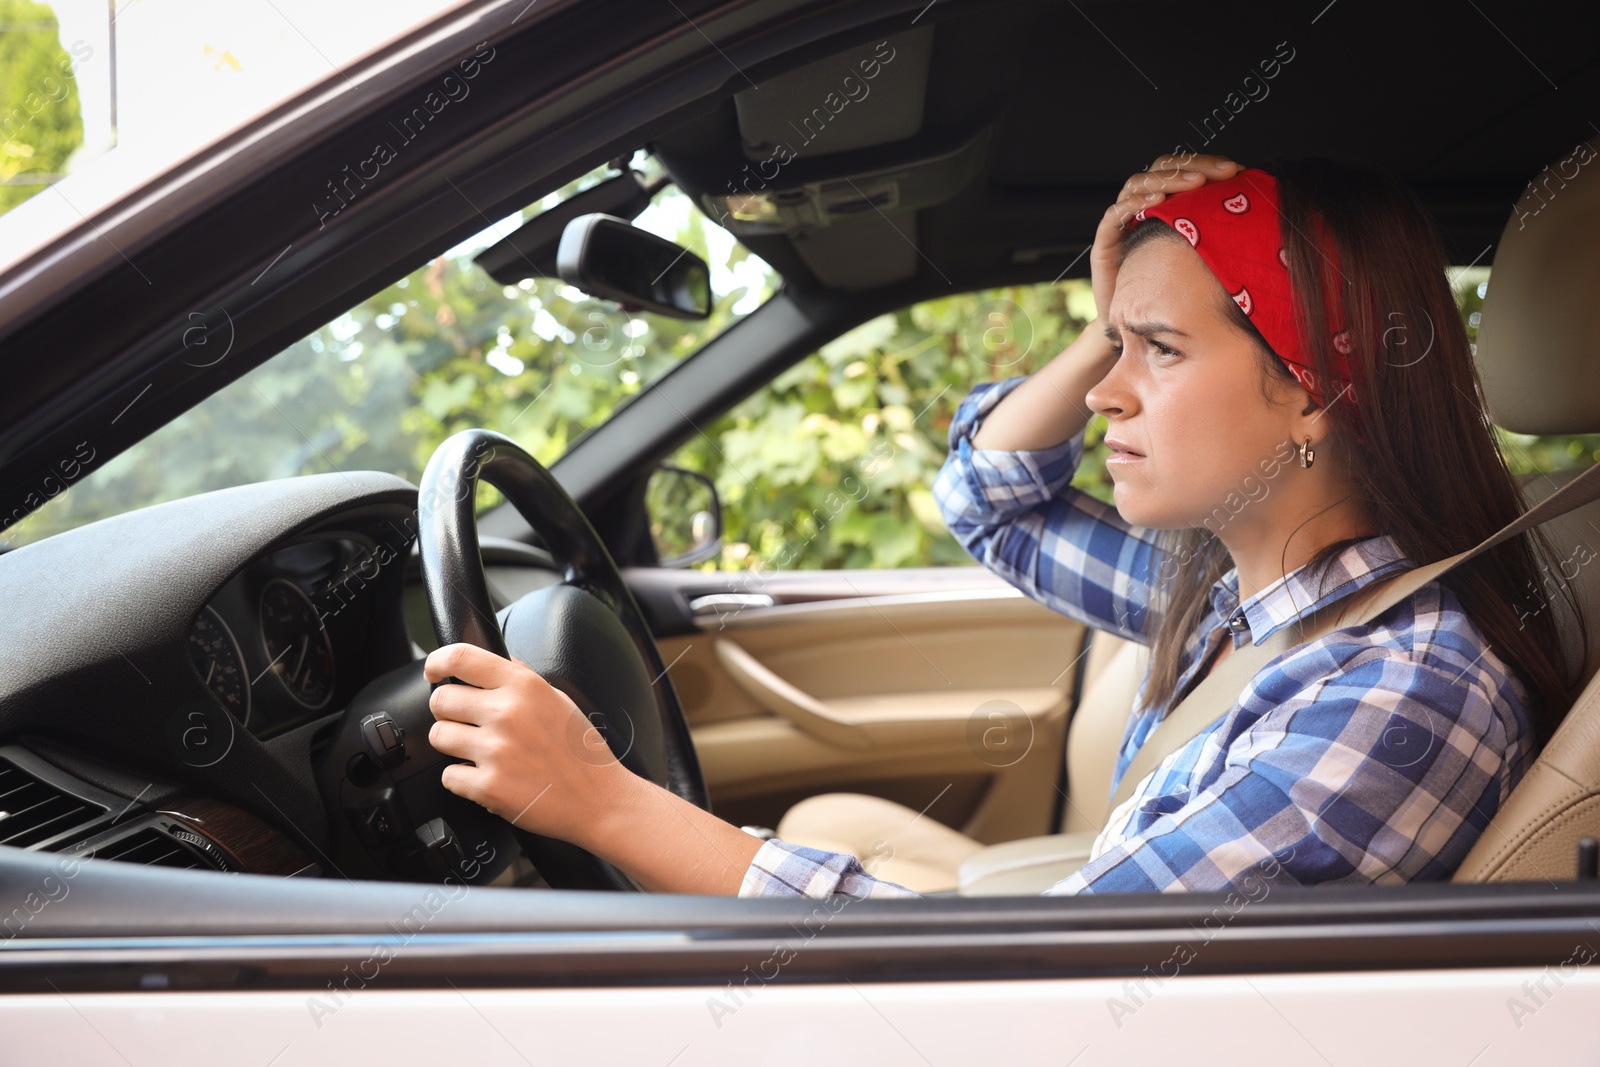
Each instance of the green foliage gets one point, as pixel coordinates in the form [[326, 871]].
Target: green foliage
[[40, 122], [832, 464]]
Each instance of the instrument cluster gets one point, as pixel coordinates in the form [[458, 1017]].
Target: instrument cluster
[[281, 641]]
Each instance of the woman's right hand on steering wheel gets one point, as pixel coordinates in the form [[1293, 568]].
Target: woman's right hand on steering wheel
[[1168, 174]]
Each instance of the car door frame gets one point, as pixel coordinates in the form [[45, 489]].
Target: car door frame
[[261, 963]]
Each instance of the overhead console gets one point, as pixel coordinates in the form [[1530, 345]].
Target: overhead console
[[824, 166]]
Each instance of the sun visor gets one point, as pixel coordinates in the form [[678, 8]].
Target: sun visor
[[870, 95]]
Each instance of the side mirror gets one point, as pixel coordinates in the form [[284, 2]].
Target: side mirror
[[685, 516], [607, 257]]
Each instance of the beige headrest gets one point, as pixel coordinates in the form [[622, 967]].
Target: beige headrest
[[1538, 348]]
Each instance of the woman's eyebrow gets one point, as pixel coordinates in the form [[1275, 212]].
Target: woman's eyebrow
[[1144, 329]]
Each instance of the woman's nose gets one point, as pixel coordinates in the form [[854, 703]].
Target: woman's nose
[[1108, 396]]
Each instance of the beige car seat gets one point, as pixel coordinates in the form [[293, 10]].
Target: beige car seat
[[1538, 356], [1538, 363], [896, 843]]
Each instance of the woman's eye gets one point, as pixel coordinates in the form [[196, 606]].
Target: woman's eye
[[1160, 349]]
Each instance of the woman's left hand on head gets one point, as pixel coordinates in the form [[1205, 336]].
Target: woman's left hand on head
[[1166, 175]]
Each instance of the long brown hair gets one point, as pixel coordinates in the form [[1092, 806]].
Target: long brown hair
[[1430, 473]]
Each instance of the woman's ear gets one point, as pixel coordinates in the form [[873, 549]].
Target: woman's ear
[[1310, 423]]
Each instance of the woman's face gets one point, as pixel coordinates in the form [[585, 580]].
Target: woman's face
[[1186, 394]]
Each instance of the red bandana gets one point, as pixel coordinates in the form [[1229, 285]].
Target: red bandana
[[1233, 224]]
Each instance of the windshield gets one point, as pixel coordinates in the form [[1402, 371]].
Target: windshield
[[443, 349]]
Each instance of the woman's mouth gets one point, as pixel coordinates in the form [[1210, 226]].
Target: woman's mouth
[[1120, 454]]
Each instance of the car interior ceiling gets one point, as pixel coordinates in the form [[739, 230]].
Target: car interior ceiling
[[988, 160]]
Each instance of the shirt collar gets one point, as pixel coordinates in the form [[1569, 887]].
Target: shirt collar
[[1295, 594]]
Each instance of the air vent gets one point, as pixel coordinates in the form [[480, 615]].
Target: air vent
[[32, 811], [153, 848]]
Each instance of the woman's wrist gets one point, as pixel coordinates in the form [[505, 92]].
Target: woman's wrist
[[619, 800], [1087, 359], [664, 842]]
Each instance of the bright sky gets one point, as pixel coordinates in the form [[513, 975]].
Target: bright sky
[[189, 70]]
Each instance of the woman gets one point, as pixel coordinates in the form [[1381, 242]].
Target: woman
[[1294, 416]]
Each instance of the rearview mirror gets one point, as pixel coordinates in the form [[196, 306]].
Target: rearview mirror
[[606, 257]]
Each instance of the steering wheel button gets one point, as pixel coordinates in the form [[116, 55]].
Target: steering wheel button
[[384, 738], [380, 822], [379, 825], [388, 734], [441, 848]]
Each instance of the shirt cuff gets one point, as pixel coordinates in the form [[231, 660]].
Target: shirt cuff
[[780, 869], [986, 485]]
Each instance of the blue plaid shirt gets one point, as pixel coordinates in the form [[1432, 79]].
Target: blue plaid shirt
[[1377, 753]]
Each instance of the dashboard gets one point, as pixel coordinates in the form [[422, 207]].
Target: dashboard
[[172, 671], [180, 678]]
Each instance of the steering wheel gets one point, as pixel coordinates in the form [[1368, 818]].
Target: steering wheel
[[585, 635]]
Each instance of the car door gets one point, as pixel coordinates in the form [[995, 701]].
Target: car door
[[261, 970]]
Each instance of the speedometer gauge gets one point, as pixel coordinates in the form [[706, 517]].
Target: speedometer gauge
[[217, 657], [296, 643]]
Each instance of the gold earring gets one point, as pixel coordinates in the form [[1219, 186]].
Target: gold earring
[[1308, 455]]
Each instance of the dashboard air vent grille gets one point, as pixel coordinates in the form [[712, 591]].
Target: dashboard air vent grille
[[32, 811], [152, 848]]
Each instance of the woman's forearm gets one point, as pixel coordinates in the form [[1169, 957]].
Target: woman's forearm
[[1049, 407], [667, 844]]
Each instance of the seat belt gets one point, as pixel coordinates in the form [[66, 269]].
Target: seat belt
[[1220, 690]]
